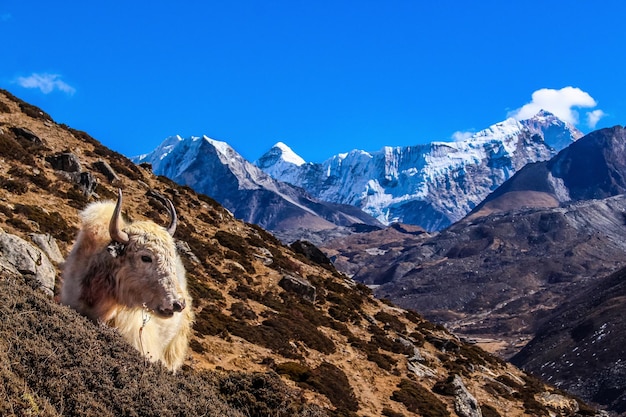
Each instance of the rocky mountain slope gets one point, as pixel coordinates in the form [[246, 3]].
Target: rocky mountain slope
[[431, 185], [278, 332], [214, 168], [594, 167], [579, 346]]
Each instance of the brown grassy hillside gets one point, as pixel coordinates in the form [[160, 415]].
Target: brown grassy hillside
[[344, 353]]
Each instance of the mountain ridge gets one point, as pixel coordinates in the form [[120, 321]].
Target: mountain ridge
[[245, 190], [443, 180]]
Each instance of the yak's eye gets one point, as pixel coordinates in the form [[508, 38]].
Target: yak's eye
[[146, 258]]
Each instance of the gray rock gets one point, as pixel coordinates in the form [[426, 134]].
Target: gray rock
[[87, 182], [465, 405], [27, 260], [104, 168], [264, 255], [421, 370], [183, 247], [299, 286], [48, 244], [66, 161], [7, 270], [26, 134]]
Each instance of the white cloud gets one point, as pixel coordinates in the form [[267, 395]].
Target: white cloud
[[47, 83], [459, 136], [593, 117], [561, 103]]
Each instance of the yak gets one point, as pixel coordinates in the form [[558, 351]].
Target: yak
[[128, 275]]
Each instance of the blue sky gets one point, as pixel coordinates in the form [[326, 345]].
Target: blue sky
[[322, 76]]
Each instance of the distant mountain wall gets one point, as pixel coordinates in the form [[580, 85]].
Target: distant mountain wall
[[430, 185], [214, 168]]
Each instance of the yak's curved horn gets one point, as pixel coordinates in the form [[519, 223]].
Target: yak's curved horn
[[114, 226], [171, 229]]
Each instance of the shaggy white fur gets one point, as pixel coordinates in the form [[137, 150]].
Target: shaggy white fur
[[133, 286]]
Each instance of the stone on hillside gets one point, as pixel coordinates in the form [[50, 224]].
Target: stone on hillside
[[66, 161], [299, 286], [48, 244], [421, 370], [557, 402], [465, 404], [311, 252], [28, 260], [26, 134], [105, 169], [7, 270], [264, 255], [185, 249], [87, 182]]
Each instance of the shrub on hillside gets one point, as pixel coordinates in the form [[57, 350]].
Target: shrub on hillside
[[418, 399], [55, 362]]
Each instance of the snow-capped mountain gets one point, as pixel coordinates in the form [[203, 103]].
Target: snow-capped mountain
[[430, 185], [214, 168]]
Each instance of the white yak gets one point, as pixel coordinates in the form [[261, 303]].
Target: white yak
[[129, 276]]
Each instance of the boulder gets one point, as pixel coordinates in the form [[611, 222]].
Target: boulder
[[48, 244], [185, 249], [465, 405], [105, 169], [311, 252], [27, 135], [66, 161], [27, 260], [299, 286], [87, 182]]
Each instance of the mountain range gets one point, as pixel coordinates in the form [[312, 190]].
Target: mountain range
[[431, 185], [214, 168]]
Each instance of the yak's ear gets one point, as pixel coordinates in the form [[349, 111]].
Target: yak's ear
[[116, 249]]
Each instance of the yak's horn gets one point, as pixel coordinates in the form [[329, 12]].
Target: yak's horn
[[114, 226], [171, 229]]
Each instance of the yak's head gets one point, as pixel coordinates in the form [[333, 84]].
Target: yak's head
[[149, 273]]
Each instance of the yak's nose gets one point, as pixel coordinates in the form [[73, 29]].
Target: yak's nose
[[179, 305]]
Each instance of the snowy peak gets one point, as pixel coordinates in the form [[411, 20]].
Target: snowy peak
[[200, 160], [288, 155], [279, 161], [555, 132]]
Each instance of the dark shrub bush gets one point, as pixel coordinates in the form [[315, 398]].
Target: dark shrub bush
[[4, 108], [295, 371], [264, 394], [17, 186], [418, 399], [388, 412], [390, 321], [241, 311], [196, 346], [12, 150], [200, 291], [327, 379], [383, 361], [52, 223], [26, 108], [489, 411]]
